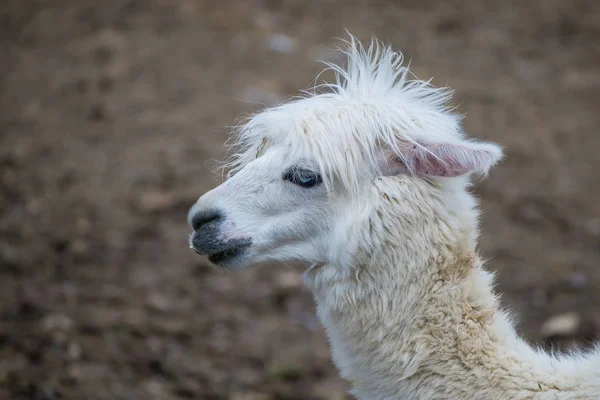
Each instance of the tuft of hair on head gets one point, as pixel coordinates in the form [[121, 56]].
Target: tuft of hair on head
[[438, 150], [374, 104]]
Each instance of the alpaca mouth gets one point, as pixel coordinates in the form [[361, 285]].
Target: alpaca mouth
[[223, 255], [218, 252]]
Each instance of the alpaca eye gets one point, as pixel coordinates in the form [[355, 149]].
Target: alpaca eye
[[302, 177]]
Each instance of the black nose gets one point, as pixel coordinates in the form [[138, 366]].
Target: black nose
[[205, 217]]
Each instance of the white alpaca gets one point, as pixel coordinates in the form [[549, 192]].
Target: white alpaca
[[367, 182]]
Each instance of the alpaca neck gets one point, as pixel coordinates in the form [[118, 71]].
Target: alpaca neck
[[386, 334], [417, 319]]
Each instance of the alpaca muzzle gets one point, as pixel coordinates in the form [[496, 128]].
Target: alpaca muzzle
[[207, 238]]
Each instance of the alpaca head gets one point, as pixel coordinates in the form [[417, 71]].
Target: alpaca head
[[303, 173]]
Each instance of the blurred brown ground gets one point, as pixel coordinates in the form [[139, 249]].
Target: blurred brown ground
[[110, 109]]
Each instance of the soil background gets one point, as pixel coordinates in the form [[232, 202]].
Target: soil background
[[111, 110]]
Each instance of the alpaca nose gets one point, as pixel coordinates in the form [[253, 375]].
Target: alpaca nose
[[205, 217]]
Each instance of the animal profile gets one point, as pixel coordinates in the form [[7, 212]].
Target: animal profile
[[365, 180]]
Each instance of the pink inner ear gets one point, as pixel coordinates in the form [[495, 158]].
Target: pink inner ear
[[449, 160]]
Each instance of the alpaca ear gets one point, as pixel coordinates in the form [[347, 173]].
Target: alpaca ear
[[447, 159]]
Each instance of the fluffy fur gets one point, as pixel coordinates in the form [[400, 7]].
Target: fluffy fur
[[373, 104], [416, 317], [408, 308]]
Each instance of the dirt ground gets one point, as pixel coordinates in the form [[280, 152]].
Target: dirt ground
[[110, 110]]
